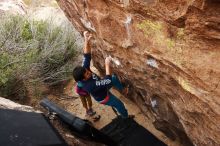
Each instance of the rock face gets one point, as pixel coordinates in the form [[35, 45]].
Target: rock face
[[169, 51]]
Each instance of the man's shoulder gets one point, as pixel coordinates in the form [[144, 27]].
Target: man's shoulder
[[87, 54], [88, 82], [95, 76]]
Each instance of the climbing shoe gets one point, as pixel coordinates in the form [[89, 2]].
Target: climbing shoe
[[90, 112], [96, 118]]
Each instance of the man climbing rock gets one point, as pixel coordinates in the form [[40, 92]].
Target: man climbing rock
[[97, 87]]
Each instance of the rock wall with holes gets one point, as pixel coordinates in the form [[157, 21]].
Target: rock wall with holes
[[169, 51]]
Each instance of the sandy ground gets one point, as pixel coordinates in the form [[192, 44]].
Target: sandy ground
[[72, 104]]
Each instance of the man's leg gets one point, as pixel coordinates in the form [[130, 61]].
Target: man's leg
[[116, 82], [89, 102], [118, 105], [118, 85], [83, 100]]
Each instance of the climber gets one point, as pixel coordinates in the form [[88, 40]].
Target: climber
[[97, 87]]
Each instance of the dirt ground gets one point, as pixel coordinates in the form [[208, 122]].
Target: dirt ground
[[71, 102]]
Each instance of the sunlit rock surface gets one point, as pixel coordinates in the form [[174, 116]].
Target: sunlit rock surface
[[169, 51], [8, 104]]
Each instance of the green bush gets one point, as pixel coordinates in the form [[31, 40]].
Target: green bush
[[34, 51], [26, 31]]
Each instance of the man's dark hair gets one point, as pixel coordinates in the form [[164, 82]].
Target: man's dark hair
[[78, 73]]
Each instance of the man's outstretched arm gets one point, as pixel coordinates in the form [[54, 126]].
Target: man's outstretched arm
[[106, 82], [86, 50], [108, 66], [87, 37]]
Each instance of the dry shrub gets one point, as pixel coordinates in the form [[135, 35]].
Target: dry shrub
[[32, 53]]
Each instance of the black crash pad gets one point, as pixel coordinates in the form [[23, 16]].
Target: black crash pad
[[127, 132], [18, 128]]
